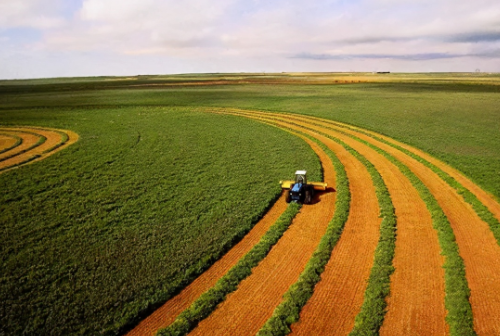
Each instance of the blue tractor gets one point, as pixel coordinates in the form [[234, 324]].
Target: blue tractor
[[299, 190]]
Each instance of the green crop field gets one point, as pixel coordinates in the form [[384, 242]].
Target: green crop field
[[100, 234]]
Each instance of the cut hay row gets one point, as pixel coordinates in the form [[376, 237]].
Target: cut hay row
[[208, 301], [483, 203], [35, 144], [415, 233]]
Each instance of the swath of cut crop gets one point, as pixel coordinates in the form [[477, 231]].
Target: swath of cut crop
[[421, 310], [37, 144], [338, 296], [167, 313], [246, 309]]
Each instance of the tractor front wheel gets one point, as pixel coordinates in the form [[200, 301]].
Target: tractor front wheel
[[288, 197]]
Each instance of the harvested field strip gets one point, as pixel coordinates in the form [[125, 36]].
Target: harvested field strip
[[9, 142], [378, 283], [168, 312], [483, 204], [300, 292], [459, 315], [425, 271], [248, 308], [209, 300], [37, 143]]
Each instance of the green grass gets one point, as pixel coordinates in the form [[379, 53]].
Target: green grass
[[208, 301], [455, 120], [92, 238], [98, 235]]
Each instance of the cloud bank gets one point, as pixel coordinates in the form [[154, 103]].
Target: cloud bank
[[124, 37]]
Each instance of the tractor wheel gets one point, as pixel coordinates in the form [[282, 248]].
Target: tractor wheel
[[288, 196], [308, 197]]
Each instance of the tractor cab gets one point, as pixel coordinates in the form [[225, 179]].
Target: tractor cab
[[300, 177]]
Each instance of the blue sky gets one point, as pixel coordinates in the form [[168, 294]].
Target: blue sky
[[55, 38]]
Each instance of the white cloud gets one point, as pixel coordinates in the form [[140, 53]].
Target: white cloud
[[30, 13]]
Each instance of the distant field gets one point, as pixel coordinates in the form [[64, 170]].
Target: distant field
[[98, 235]]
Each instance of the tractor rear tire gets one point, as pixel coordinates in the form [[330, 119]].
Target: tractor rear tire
[[288, 197], [308, 197]]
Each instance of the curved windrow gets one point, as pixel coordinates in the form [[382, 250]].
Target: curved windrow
[[23, 144]]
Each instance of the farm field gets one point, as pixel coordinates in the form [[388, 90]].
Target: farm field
[[174, 181]]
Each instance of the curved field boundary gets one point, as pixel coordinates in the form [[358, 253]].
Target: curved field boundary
[[424, 272], [247, 309], [168, 312], [17, 142], [36, 144], [209, 300]]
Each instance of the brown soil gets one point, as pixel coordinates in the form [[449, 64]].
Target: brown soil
[[6, 142], [167, 313], [53, 138], [419, 311], [245, 310]]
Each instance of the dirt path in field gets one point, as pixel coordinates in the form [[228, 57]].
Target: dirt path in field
[[420, 311], [6, 142], [246, 310], [167, 313], [19, 155]]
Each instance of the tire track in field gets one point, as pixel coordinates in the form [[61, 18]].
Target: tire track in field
[[37, 144], [419, 311], [166, 314], [246, 310]]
